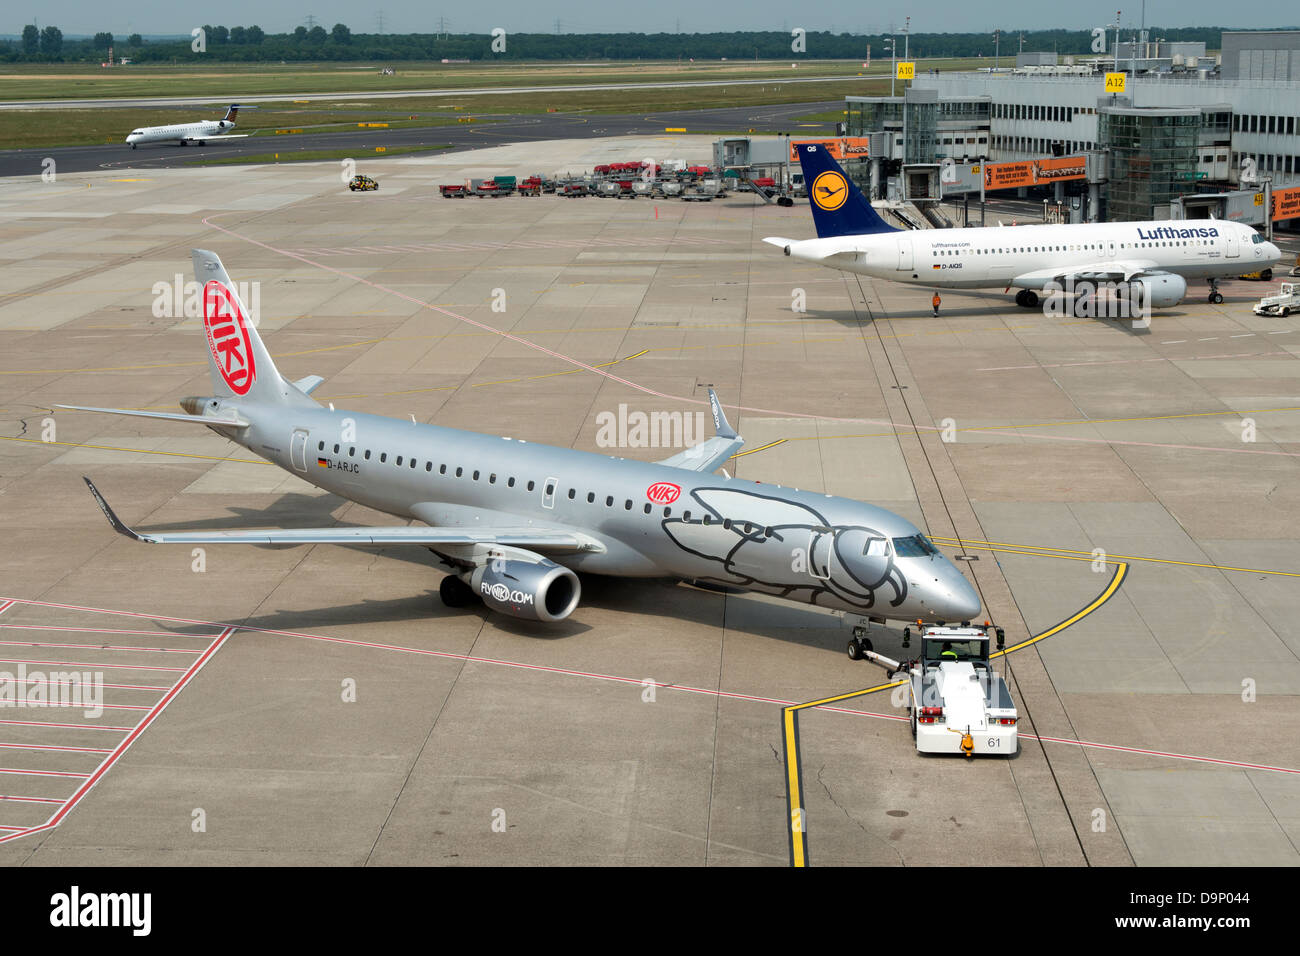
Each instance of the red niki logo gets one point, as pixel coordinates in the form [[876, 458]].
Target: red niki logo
[[228, 337], [663, 492]]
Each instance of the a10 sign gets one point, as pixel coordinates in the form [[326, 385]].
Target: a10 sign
[[906, 70]]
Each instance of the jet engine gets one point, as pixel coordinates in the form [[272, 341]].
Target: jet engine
[[538, 590], [1157, 291]]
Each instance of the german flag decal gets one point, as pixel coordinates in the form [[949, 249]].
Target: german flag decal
[[323, 462], [936, 265]]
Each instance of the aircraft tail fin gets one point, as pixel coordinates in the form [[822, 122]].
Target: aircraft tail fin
[[231, 113], [238, 362], [839, 208]]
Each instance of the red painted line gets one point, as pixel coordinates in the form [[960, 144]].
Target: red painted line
[[101, 647], [19, 829], [81, 750], [41, 773], [28, 832], [47, 723], [41, 705], [149, 718], [4, 797], [100, 630], [125, 667], [153, 687], [6, 605]]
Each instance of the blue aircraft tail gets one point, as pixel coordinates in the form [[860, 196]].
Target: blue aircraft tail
[[838, 206]]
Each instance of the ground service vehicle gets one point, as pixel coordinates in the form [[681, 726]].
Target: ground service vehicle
[[959, 703], [363, 183], [1284, 303]]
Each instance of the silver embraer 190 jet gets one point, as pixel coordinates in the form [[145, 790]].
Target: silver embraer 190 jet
[[511, 520]]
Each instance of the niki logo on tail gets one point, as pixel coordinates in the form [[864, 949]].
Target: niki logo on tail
[[227, 328]]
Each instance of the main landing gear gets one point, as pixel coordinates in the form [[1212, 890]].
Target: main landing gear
[[1027, 298], [1215, 297]]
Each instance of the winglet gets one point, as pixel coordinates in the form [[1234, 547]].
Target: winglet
[[112, 517], [720, 423]]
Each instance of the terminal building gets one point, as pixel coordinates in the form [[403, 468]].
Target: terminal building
[[1185, 125]]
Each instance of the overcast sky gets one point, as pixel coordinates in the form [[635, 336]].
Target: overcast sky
[[651, 16]]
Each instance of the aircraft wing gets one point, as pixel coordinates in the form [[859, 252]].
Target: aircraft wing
[[204, 139], [708, 455], [1117, 270], [540, 539]]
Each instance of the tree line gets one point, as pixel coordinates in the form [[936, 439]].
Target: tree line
[[252, 44]]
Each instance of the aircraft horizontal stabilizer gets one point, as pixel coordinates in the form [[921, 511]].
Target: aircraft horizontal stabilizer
[[539, 539], [708, 455], [228, 420]]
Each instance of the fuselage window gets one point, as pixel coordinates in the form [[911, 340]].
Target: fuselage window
[[591, 497], [686, 516], [476, 476], [647, 507], [428, 466], [609, 501], [726, 523], [320, 447], [352, 452], [414, 462], [492, 479], [383, 456], [627, 505], [459, 472], [367, 454], [706, 520], [399, 460], [767, 532], [572, 493], [442, 469], [668, 512], [511, 482], [550, 490], [336, 449], [531, 485]]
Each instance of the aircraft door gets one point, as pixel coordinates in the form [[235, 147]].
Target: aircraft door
[[548, 492], [821, 552], [298, 449], [905, 255], [1234, 250]]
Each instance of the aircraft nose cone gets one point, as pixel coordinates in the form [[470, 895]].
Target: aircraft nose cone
[[958, 600]]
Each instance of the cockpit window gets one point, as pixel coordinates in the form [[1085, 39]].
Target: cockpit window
[[1256, 239], [917, 546], [876, 548]]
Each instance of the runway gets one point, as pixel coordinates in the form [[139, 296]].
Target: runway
[[490, 130]]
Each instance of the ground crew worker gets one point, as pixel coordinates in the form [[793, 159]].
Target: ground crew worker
[[947, 654], [935, 302]]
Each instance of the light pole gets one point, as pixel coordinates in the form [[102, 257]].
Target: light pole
[[997, 41], [893, 66], [907, 31]]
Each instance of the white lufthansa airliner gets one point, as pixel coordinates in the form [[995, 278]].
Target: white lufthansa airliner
[[183, 133], [1150, 260]]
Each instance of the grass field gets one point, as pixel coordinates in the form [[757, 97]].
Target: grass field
[[37, 128], [20, 82]]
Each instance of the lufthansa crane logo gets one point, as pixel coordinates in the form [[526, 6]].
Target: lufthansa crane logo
[[830, 190]]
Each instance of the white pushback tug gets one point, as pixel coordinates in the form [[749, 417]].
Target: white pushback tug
[[959, 704]]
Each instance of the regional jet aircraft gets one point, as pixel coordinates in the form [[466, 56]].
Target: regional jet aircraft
[[183, 133], [1150, 261], [511, 520]]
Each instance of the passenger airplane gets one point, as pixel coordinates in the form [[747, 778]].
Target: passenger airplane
[[512, 520], [197, 133], [1157, 256]]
